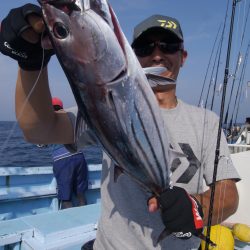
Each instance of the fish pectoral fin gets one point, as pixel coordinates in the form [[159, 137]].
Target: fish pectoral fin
[[117, 172], [163, 235]]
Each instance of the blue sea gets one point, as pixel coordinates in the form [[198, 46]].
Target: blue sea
[[16, 152]]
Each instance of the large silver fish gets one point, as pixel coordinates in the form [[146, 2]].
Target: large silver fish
[[110, 88]]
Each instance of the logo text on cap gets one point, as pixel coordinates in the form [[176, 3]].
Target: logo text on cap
[[168, 24]]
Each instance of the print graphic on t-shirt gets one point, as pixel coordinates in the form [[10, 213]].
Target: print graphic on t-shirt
[[175, 164], [194, 164]]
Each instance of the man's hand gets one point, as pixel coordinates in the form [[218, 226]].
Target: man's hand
[[20, 37], [180, 212]]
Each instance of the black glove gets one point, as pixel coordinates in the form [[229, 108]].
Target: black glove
[[28, 55], [181, 213]]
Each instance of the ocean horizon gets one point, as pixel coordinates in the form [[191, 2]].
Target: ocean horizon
[[16, 152]]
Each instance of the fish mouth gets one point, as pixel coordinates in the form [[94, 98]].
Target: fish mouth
[[66, 6]]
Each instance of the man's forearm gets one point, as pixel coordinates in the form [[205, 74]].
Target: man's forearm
[[32, 94], [35, 113], [225, 201]]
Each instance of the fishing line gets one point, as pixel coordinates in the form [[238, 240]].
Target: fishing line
[[238, 93], [223, 188], [241, 83], [237, 35], [244, 29], [5, 143], [219, 51], [237, 97], [216, 74], [217, 151], [205, 127], [211, 77], [203, 86], [218, 54], [237, 68], [219, 57], [222, 197]]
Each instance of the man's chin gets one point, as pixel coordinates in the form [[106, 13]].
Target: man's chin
[[165, 88]]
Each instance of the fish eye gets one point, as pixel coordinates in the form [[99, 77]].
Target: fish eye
[[60, 31]]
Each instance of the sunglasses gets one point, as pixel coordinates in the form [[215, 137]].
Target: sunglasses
[[146, 49]]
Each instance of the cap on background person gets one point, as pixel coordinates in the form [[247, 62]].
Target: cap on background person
[[163, 23], [57, 103]]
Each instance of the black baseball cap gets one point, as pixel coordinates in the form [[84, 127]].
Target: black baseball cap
[[160, 22]]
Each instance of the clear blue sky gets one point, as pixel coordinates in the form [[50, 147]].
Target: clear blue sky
[[200, 22]]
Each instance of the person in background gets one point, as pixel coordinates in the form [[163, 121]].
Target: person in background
[[126, 222], [70, 171], [228, 132], [245, 135]]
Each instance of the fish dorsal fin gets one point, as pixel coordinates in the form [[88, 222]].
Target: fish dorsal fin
[[155, 78]]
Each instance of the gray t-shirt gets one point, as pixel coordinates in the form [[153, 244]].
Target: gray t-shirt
[[193, 131], [125, 223]]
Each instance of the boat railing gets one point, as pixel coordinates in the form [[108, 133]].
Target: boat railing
[[237, 148]]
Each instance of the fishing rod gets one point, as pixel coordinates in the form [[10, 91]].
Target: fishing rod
[[216, 76], [222, 36], [209, 62], [239, 90], [217, 151], [237, 66], [232, 88], [217, 59], [211, 78], [218, 56]]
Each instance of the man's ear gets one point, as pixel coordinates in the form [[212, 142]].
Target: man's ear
[[184, 57]]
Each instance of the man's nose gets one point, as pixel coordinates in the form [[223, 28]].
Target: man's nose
[[157, 55]]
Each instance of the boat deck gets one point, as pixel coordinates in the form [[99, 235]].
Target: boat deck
[[49, 228], [29, 211], [66, 229]]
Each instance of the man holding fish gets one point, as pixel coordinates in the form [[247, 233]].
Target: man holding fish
[[141, 207]]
